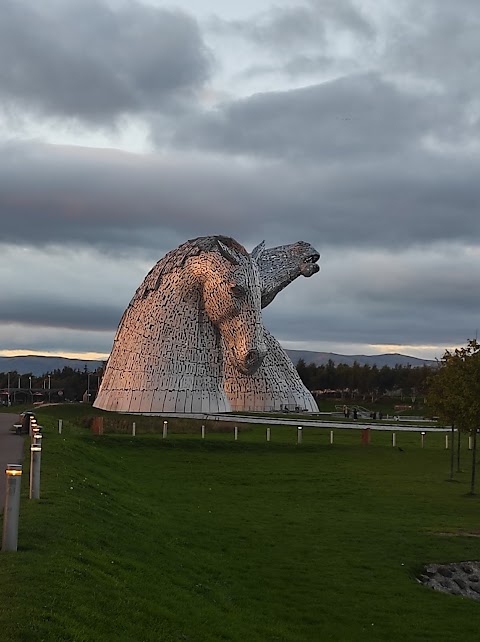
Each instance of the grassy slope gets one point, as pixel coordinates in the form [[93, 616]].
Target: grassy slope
[[146, 539]]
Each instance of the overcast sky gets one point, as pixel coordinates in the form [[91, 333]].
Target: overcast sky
[[129, 127]]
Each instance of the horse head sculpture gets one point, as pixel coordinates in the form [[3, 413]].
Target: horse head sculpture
[[199, 306], [281, 265], [231, 297]]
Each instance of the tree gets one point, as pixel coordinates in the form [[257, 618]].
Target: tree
[[444, 399], [454, 393]]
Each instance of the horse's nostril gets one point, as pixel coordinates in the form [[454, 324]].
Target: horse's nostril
[[253, 360]]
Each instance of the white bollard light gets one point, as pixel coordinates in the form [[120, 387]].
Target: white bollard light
[[394, 439], [203, 432], [422, 437], [299, 434], [165, 429], [470, 442], [13, 474], [60, 425], [134, 429], [35, 465], [446, 442], [235, 433], [268, 433], [331, 436]]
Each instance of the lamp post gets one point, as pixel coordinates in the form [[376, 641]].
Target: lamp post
[[88, 387], [49, 386], [8, 389]]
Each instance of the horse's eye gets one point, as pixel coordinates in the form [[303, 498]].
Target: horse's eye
[[237, 291]]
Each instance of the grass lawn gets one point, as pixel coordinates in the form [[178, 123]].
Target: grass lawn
[[149, 540]]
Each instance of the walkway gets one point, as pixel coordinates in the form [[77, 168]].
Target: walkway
[[307, 422]]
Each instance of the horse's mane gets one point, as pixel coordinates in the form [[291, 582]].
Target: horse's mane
[[176, 258]]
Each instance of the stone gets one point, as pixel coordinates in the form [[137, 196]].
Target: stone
[[453, 578]]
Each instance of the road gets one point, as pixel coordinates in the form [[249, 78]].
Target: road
[[11, 450]]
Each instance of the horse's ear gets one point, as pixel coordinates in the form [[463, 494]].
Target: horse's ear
[[227, 253], [257, 252]]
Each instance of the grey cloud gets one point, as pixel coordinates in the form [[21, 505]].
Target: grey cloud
[[58, 313], [361, 115], [47, 339], [312, 38], [86, 60], [435, 40], [411, 296], [282, 28], [126, 203]]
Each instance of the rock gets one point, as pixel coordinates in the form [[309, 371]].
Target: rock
[[462, 578]]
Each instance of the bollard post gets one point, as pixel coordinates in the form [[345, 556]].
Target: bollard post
[[35, 464], [165, 429], [470, 440], [365, 436], [394, 439], [60, 424], [13, 474], [331, 436], [446, 442], [235, 433], [134, 429], [299, 434], [97, 425], [203, 432], [422, 436], [268, 433]]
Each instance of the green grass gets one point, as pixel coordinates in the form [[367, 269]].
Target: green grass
[[148, 539]]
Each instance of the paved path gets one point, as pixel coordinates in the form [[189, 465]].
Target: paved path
[[306, 422], [11, 450]]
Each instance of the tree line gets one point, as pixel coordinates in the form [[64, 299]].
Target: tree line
[[68, 384], [364, 380], [343, 380]]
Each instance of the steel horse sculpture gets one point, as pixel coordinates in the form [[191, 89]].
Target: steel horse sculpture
[[192, 338]]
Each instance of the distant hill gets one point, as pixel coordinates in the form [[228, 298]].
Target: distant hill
[[380, 360], [39, 365]]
